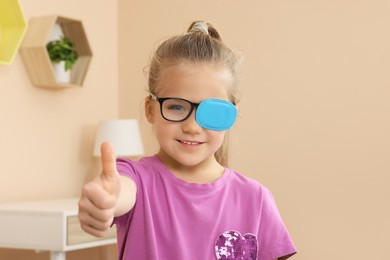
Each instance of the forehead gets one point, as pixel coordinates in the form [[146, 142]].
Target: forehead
[[195, 81]]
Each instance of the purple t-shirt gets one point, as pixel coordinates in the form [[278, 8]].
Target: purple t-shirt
[[232, 218]]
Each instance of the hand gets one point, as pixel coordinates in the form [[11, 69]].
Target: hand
[[99, 197]]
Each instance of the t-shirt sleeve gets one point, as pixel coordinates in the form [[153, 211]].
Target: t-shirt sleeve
[[274, 240], [125, 168]]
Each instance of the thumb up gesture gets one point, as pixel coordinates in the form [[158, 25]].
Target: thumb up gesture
[[99, 197]]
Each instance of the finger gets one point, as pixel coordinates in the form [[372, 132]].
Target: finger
[[89, 220], [87, 207], [91, 230], [108, 160], [95, 197]]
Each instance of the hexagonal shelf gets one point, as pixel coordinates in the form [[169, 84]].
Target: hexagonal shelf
[[36, 58], [12, 29]]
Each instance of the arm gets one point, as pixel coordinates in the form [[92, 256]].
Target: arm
[[107, 196], [126, 197]]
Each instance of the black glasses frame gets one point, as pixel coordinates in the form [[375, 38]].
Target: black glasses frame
[[161, 101]]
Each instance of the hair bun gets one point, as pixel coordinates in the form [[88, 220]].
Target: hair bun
[[203, 27]]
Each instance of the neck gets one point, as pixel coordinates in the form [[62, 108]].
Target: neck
[[204, 172]]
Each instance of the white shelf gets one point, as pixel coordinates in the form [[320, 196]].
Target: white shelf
[[49, 225]]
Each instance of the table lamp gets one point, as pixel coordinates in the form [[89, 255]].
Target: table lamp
[[123, 134]]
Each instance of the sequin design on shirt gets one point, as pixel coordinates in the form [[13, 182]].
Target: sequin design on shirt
[[232, 245]]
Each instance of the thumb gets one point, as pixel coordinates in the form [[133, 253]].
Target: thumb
[[108, 161]]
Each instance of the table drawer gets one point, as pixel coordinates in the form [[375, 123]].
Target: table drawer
[[75, 235]]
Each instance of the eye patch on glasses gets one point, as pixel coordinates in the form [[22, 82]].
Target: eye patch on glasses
[[216, 114], [213, 114]]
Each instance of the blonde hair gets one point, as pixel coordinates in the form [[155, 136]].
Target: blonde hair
[[200, 44]]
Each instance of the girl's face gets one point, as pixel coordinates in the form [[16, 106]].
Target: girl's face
[[186, 144]]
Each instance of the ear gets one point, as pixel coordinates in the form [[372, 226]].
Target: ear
[[149, 109]]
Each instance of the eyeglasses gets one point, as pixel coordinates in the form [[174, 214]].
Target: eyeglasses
[[213, 114], [175, 109]]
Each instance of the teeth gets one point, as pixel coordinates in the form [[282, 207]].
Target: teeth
[[188, 142]]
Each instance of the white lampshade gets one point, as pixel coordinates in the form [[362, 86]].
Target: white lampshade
[[123, 134]]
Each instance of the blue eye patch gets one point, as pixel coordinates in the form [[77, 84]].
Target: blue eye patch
[[216, 114]]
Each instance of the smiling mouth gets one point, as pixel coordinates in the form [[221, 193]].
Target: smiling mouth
[[190, 142]]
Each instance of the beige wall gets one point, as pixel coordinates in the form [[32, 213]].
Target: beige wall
[[46, 136], [314, 121]]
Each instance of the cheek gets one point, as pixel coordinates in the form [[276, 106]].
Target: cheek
[[163, 128], [217, 138]]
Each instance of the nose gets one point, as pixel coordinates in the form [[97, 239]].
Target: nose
[[190, 125]]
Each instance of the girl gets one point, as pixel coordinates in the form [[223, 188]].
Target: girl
[[183, 202]]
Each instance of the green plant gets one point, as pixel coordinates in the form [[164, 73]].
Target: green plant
[[62, 50]]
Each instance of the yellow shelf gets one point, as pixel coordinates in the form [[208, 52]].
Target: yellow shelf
[[36, 58], [12, 29]]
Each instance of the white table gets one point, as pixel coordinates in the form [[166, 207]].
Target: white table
[[49, 225]]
